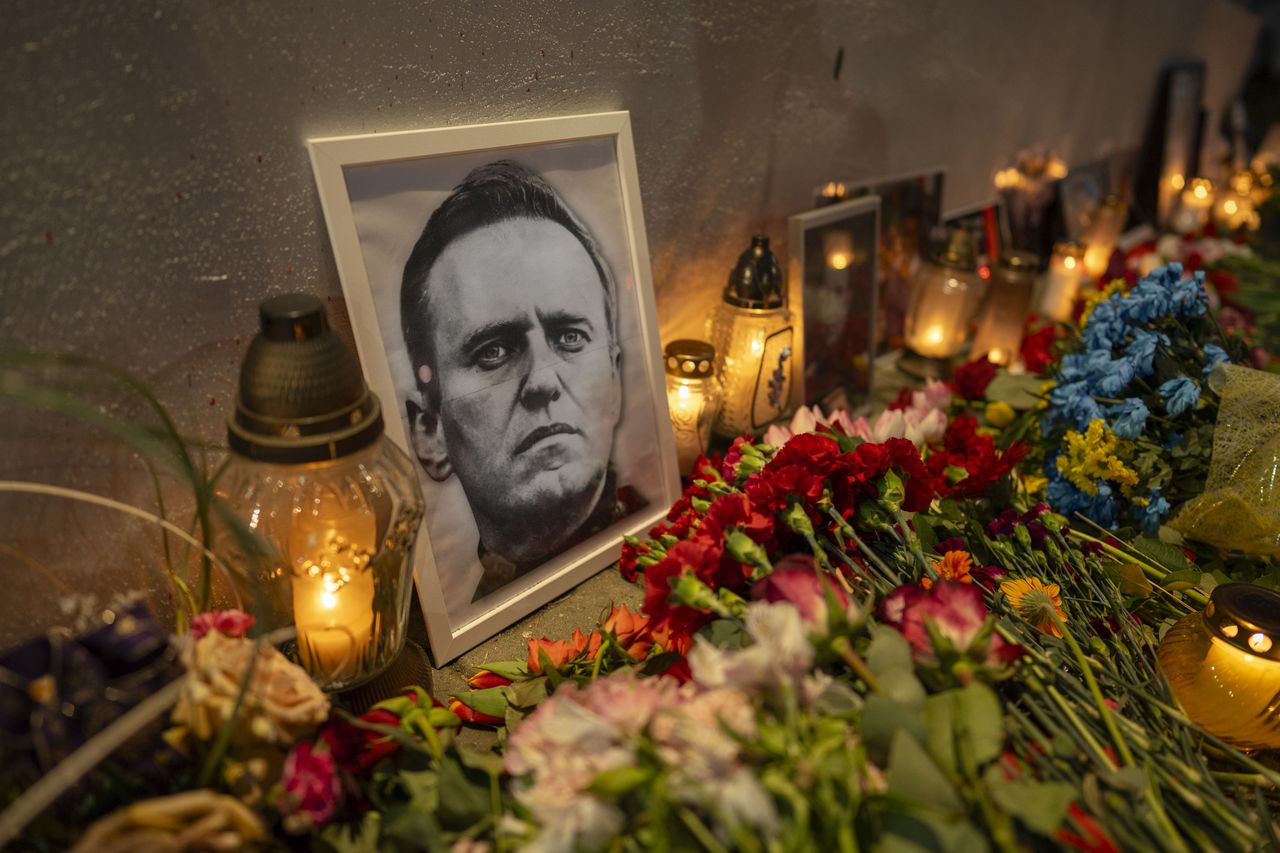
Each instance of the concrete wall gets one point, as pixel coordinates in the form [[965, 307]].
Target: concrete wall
[[154, 185]]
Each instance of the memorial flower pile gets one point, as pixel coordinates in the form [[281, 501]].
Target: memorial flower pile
[[1128, 428], [986, 671]]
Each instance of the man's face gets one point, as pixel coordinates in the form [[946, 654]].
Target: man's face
[[527, 370]]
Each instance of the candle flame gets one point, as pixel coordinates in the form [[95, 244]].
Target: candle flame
[[328, 600], [1177, 181], [934, 335], [683, 392], [1230, 206], [1069, 263], [838, 260]]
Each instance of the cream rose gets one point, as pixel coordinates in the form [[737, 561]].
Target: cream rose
[[281, 703]]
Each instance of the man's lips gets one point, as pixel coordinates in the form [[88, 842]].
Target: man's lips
[[542, 432]]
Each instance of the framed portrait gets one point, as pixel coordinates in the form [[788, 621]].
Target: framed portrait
[[910, 215], [1079, 195], [832, 278], [497, 279], [1171, 147]]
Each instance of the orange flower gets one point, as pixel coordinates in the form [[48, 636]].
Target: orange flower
[[954, 566], [562, 651], [1037, 602], [631, 630]]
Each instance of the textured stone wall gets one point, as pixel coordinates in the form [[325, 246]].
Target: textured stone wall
[[154, 183]]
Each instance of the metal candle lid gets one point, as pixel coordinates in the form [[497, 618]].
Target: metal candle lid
[[1246, 616], [302, 397], [690, 359], [756, 279], [959, 252], [1018, 267]]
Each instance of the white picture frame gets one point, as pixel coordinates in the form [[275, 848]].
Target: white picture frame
[[369, 188]]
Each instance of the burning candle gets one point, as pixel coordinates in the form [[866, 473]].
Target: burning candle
[[1004, 310], [1234, 209], [332, 588], [943, 297], [1058, 295], [693, 397], [1194, 207], [1100, 237], [1224, 665]]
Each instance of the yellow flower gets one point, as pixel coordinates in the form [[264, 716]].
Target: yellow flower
[[1034, 483], [1037, 602], [954, 566], [1096, 455], [1094, 298], [999, 414]]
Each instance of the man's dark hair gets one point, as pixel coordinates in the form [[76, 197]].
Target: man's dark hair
[[489, 194]]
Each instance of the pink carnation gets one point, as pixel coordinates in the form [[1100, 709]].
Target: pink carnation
[[232, 623], [311, 786]]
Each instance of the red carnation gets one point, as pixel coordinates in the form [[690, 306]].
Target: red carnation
[[1036, 349], [971, 380]]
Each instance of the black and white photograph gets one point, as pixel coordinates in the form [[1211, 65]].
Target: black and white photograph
[[501, 303], [834, 274]]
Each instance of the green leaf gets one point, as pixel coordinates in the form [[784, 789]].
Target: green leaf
[[911, 774], [726, 634], [525, 694], [615, 784], [1130, 578], [512, 669], [973, 713], [925, 533], [348, 838], [1169, 557], [838, 699], [889, 658], [883, 718], [491, 700], [422, 787], [464, 795], [1040, 805]]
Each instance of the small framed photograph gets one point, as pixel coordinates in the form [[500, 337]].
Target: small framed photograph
[[1080, 194], [833, 277], [497, 279], [1171, 147], [910, 216]]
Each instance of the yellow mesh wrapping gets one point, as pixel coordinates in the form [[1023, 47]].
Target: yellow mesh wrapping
[[1239, 509]]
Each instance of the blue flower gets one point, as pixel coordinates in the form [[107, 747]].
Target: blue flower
[[1067, 499], [1141, 351], [1105, 326], [1115, 377], [1129, 418], [1180, 393], [1149, 516], [1172, 441], [1189, 296], [1214, 355]]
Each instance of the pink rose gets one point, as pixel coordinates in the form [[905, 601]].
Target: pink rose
[[312, 790], [795, 579], [232, 623]]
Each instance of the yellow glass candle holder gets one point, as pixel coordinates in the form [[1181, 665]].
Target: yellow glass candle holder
[[1004, 311], [1058, 293], [944, 295], [1195, 205], [693, 397], [1224, 665]]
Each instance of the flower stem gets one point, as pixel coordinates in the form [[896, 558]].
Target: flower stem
[[845, 649], [1122, 745]]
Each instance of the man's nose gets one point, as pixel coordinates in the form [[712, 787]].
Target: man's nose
[[541, 384]]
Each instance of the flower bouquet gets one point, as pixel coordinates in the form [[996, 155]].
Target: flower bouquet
[[846, 642]]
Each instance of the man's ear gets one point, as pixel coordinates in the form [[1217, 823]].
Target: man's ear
[[427, 437]]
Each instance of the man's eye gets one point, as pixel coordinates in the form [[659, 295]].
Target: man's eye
[[571, 340], [491, 356]]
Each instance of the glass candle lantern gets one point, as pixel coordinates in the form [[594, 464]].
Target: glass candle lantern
[[1058, 293], [1004, 310], [1194, 207], [1233, 209], [944, 295], [1101, 236], [335, 503], [1224, 665], [693, 397], [751, 331]]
